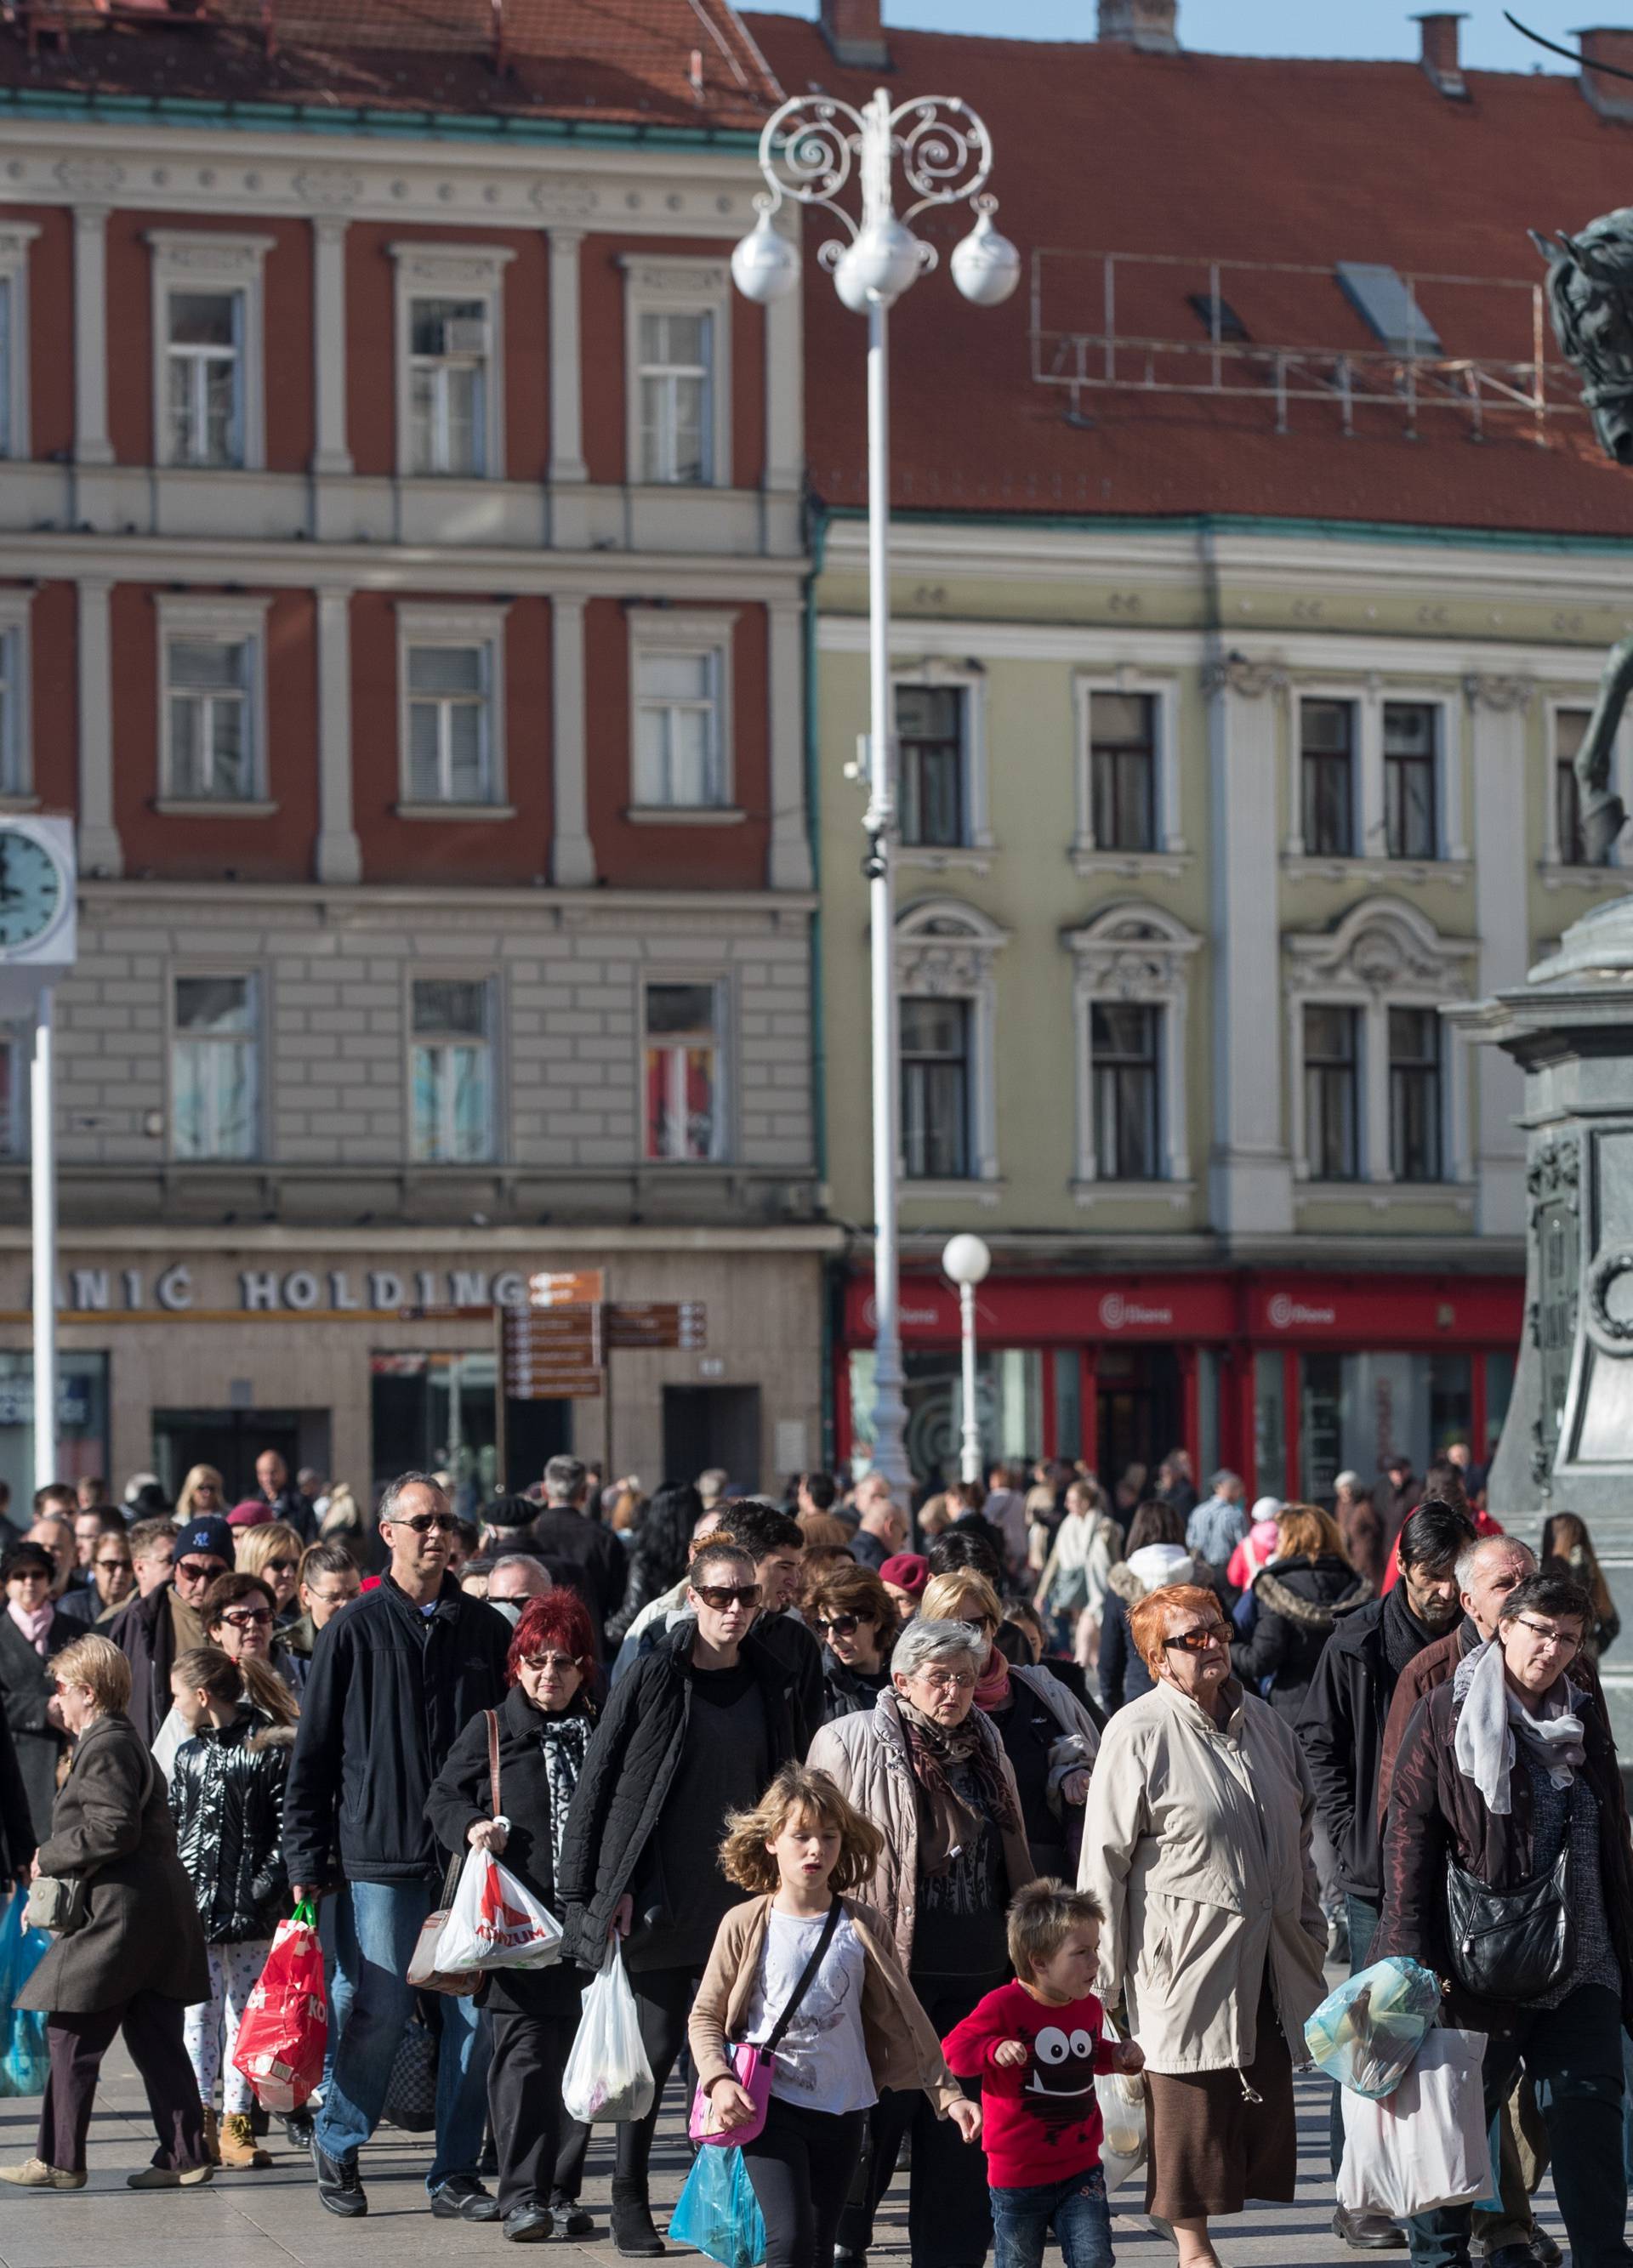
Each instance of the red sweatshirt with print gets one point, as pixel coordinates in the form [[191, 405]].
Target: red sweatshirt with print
[[1040, 2119]]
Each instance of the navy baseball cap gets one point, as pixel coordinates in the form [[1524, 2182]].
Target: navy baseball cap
[[211, 1536]]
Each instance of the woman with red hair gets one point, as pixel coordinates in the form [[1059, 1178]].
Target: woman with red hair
[[543, 1730]]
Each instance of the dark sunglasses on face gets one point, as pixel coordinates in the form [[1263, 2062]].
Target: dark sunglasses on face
[[247, 1617], [113, 1563], [423, 1522], [1202, 1639], [839, 1625], [282, 1566], [543, 1663], [200, 1571], [721, 1595]]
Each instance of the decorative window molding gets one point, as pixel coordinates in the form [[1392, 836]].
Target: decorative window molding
[[234, 625], [464, 275], [1135, 951], [16, 739], [455, 630], [1382, 954], [15, 239], [204, 262], [1367, 700], [1168, 845], [657, 287], [946, 950], [972, 684], [657, 769]]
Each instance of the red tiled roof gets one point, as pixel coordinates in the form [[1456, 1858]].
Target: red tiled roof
[[618, 62], [1099, 148]]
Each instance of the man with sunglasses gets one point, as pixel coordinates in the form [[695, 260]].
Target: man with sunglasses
[[395, 1679], [152, 1631]]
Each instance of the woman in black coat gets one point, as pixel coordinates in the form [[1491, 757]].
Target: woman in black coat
[[32, 1630], [659, 1554], [1299, 1598], [544, 1727]]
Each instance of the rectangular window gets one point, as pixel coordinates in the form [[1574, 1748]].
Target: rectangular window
[[686, 1118], [1415, 1135], [676, 379], [1570, 731], [1410, 733], [8, 348], [1333, 1094], [1123, 1042], [930, 727], [13, 1099], [449, 724], [1122, 757], [204, 392], [1326, 741], [450, 1075], [679, 747], [935, 1089], [13, 755], [210, 742], [449, 362], [213, 1068]]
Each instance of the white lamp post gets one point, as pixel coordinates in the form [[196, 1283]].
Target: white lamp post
[[808, 150], [966, 1260]]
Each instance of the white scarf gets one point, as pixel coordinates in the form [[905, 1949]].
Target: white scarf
[[1489, 1718]]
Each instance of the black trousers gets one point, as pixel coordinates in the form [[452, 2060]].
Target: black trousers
[[77, 2045], [800, 2164], [662, 2004], [950, 2216], [540, 2148]]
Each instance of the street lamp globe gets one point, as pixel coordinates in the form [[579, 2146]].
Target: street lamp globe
[[881, 264], [966, 1260], [985, 266], [765, 266]]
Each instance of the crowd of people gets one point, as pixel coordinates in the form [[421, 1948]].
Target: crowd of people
[[920, 1795]]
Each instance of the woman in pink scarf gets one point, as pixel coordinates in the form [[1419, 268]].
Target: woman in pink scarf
[[31, 1631]]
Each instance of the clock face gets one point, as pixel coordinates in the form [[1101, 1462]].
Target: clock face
[[31, 890]]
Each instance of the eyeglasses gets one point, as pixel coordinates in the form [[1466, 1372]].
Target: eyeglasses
[[282, 1566], [423, 1522], [721, 1595], [839, 1625], [1199, 1639], [543, 1663], [248, 1617], [948, 1680], [200, 1570], [1557, 1639], [31, 1575], [113, 1563]]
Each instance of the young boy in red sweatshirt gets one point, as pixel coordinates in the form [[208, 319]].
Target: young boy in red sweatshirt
[[1036, 2045]]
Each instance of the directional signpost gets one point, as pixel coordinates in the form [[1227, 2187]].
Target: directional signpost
[[559, 1347]]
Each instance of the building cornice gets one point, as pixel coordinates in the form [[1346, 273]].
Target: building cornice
[[446, 900]]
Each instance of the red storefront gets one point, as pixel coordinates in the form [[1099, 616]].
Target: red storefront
[[1286, 1378]]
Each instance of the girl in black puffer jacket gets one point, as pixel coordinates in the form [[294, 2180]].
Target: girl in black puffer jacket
[[1296, 1598], [226, 1797]]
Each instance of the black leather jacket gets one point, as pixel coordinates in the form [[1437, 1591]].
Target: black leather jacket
[[226, 1797]]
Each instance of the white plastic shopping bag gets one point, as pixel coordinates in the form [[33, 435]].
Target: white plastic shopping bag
[[1426, 2144], [1121, 2097], [608, 2075], [495, 1923]]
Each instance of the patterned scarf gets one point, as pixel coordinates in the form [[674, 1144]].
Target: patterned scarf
[[934, 1752], [564, 1740]]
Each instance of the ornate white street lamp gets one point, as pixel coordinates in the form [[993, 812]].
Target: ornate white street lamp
[[809, 150]]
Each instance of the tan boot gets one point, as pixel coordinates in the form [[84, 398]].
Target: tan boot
[[213, 2146], [239, 2147]]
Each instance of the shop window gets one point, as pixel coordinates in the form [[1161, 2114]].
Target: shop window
[[214, 1068], [82, 1419], [450, 345], [1570, 731], [1356, 1411], [683, 1084], [1125, 1052], [1008, 1405], [436, 1413], [1411, 730], [1415, 1098], [451, 1075], [1270, 1422], [1499, 1393], [1327, 739], [1122, 756], [1333, 1093], [935, 1089], [932, 735]]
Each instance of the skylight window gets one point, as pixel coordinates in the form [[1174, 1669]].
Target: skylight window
[[1212, 310], [1385, 303]]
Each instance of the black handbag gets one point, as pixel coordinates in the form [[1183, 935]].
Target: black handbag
[[1511, 1945]]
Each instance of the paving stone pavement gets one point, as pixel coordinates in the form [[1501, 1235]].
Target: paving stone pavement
[[273, 2219]]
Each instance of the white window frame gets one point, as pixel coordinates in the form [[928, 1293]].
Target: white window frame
[[971, 683], [488, 979], [1382, 954], [1167, 835], [1135, 951], [658, 285], [190, 260], [15, 439], [452, 271], [1368, 698], [724, 1117], [949, 950], [179, 973], [211, 622], [17, 731], [455, 626], [685, 631]]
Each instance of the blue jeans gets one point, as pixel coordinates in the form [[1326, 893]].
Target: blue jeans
[[1075, 2209], [376, 1924]]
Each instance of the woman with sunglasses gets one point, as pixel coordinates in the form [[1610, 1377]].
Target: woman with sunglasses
[[34, 1628], [273, 1551], [1197, 1843], [544, 1727], [203, 1497], [853, 1617], [237, 1615], [694, 1731]]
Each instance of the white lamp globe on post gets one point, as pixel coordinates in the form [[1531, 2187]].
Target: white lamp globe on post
[[966, 1260]]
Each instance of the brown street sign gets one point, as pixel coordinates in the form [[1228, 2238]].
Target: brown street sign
[[571, 1288], [657, 1323]]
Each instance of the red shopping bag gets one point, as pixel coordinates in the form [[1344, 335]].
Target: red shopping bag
[[285, 2027]]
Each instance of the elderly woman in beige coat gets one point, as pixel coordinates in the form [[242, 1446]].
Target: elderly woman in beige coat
[[1197, 1844]]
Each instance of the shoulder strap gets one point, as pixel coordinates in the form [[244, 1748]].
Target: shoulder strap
[[806, 1978], [493, 1763]]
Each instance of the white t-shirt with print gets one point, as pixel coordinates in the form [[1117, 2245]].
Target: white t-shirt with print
[[821, 2062]]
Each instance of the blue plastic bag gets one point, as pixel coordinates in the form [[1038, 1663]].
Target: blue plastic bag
[[1368, 2030], [718, 2213], [25, 2064]]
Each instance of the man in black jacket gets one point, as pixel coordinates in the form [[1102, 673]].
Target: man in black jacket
[[579, 1549], [396, 1677], [153, 1628], [1342, 1730]]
